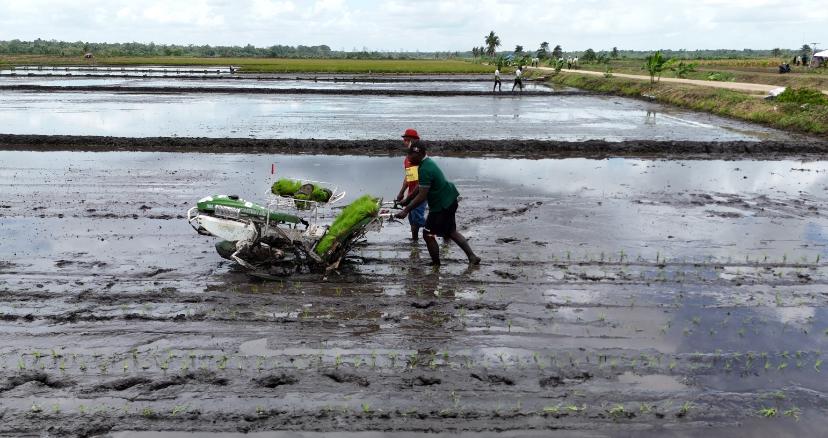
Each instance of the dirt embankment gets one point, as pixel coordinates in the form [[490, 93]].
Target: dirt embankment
[[264, 77], [248, 90], [799, 148]]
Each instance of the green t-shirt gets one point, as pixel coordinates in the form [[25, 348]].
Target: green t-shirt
[[441, 193]]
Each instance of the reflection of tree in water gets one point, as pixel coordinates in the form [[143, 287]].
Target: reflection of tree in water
[[650, 119]]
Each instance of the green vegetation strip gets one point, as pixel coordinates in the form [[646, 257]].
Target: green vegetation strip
[[273, 65], [350, 217], [801, 111]]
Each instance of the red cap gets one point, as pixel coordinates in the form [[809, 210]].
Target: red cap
[[411, 133]]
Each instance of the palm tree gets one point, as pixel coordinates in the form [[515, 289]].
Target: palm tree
[[518, 49], [656, 64], [557, 52], [543, 50], [492, 43]]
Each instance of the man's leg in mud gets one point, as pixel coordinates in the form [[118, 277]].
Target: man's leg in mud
[[433, 247], [464, 245], [416, 218]]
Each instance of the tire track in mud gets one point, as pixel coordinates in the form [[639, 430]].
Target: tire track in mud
[[136, 338], [341, 386], [798, 148]]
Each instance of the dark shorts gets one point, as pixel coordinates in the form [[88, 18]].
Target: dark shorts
[[442, 223]]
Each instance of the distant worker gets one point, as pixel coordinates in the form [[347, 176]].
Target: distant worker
[[518, 80], [410, 181], [497, 81], [441, 196]]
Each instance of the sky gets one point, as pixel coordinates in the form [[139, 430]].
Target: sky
[[426, 25]]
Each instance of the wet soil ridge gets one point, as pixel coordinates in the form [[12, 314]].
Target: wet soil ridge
[[461, 148], [249, 77], [248, 90]]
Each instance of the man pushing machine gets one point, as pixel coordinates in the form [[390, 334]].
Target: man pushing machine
[[441, 196]]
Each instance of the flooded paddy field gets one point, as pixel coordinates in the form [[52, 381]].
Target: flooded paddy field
[[426, 84], [617, 297], [360, 117]]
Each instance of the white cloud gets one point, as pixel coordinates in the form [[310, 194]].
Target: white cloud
[[266, 9], [198, 13], [425, 24]]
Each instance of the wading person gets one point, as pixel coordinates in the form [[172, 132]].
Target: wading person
[[518, 80], [497, 81], [441, 196], [417, 216]]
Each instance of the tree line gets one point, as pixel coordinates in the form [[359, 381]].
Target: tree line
[[80, 48], [491, 42], [489, 49]]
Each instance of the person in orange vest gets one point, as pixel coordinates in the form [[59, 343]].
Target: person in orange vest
[[410, 182], [442, 196]]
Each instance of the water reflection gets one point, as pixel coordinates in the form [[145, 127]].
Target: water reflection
[[359, 117], [650, 118], [436, 85], [250, 173]]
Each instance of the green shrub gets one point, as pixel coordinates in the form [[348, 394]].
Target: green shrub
[[682, 69], [803, 95], [351, 215], [285, 187]]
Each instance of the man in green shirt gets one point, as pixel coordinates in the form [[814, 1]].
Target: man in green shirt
[[441, 196]]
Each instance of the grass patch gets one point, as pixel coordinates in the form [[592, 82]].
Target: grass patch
[[803, 96], [272, 65], [720, 76], [793, 116]]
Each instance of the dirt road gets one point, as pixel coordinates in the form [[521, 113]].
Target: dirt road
[[739, 86]]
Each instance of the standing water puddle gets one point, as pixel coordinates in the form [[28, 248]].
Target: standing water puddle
[[570, 118]]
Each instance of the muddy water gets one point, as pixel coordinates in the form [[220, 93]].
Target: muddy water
[[343, 84], [690, 294], [362, 117]]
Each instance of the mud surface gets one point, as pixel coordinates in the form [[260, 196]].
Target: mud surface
[[350, 91], [183, 73], [261, 85], [364, 116], [617, 297], [797, 148]]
